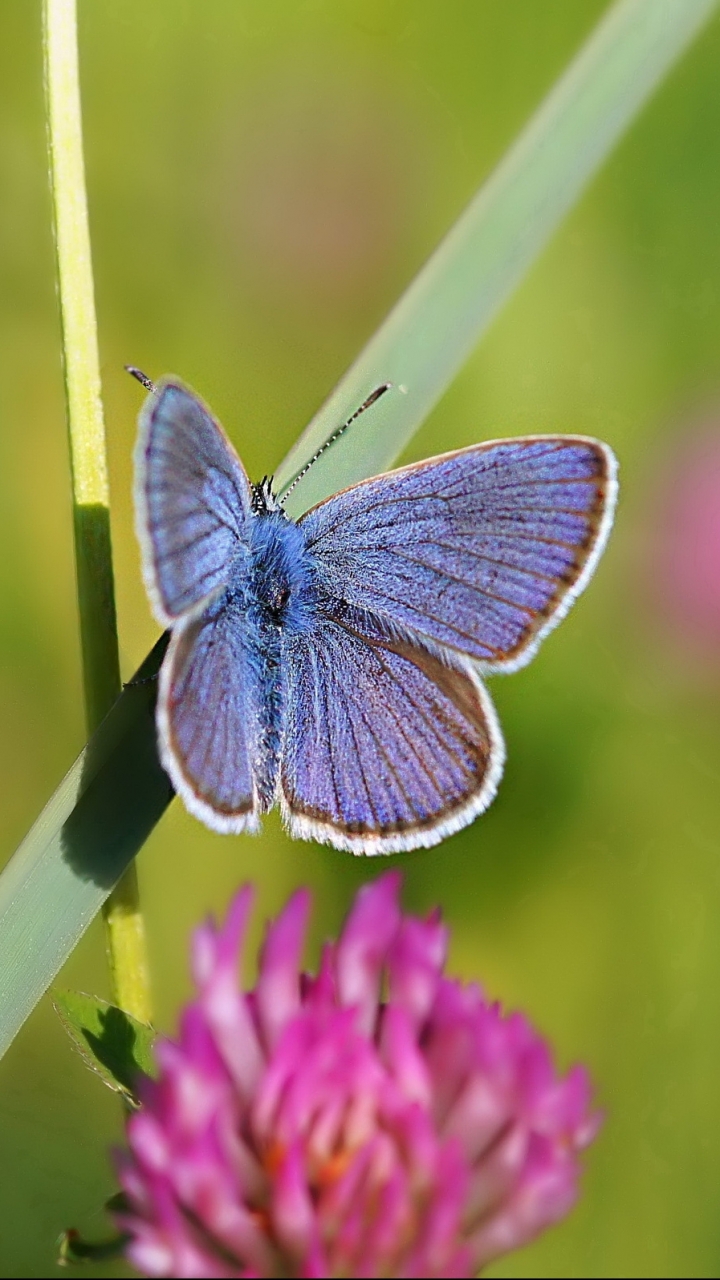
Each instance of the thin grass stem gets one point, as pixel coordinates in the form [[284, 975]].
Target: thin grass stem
[[88, 460]]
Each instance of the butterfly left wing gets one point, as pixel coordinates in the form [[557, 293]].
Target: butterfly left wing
[[192, 500], [481, 551], [206, 713], [385, 747]]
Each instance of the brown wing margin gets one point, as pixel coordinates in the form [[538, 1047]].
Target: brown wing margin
[[387, 747]]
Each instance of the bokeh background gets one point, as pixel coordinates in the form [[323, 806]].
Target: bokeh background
[[264, 178]]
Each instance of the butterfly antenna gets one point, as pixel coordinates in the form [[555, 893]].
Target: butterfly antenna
[[375, 395], [142, 378]]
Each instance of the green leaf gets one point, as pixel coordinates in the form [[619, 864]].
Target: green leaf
[[116, 791], [74, 1249], [114, 1045]]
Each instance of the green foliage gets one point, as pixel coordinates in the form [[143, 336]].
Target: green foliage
[[80, 845], [75, 1250], [589, 894], [420, 347], [112, 1043]]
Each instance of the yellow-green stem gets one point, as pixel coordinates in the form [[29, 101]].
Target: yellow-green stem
[[91, 498]]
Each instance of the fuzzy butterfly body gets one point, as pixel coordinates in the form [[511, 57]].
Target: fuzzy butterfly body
[[333, 665]]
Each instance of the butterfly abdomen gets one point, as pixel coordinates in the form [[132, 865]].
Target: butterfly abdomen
[[280, 594]]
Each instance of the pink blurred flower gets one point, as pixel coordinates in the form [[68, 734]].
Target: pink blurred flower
[[685, 550], [378, 1119]]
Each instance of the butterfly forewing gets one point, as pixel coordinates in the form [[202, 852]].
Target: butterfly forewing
[[385, 747], [207, 708], [192, 500], [480, 551]]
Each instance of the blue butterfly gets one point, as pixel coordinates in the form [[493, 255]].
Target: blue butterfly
[[333, 664]]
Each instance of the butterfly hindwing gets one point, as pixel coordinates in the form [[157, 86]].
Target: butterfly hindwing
[[192, 500], [480, 551], [206, 712], [385, 747]]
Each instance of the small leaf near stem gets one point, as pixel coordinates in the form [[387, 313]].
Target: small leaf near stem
[[75, 1250], [112, 1043], [91, 498]]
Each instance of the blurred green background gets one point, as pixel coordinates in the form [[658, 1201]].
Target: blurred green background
[[263, 179]]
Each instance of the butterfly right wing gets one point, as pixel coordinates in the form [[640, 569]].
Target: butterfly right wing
[[481, 551], [192, 500], [206, 712], [386, 747]]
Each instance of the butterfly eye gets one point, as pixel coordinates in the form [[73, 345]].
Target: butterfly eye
[[280, 601]]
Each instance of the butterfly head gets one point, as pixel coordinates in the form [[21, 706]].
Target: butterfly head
[[263, 500]]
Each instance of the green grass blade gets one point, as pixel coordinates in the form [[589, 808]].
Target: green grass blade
[[450, 303], [85, 837], [115, 793]]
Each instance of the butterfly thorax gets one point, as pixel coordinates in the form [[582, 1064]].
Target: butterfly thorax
[[280, 580]]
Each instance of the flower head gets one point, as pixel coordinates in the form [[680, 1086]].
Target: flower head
[[378, 1119], [685, 550]]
